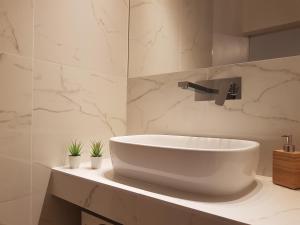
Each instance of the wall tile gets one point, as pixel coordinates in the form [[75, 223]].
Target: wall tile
[[229, 45], [85, 34], [19, 207], [15, 139], [15, 109], [154, 37], [196, 34], [169, 36], [69, 104], [80, 78], [80, 81], [16, 30], [157, 105], [74, 104], [267, 110]]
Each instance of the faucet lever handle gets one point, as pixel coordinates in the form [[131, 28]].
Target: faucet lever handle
[[223, 92]]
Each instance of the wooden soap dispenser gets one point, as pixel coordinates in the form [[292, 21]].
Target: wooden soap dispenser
[[286, 165]]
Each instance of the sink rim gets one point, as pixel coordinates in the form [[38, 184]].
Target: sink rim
[[129, 140]]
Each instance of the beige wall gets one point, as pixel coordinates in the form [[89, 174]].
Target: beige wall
[[63, 75], [16, 31], [267, 110], [177, 35], [169, 36], [229, 46], [261, 15]]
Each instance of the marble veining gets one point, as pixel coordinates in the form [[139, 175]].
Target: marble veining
[[89, 197], [16, 27], [12, 116], [129, 201], [15, 123], [72, 87], [8, 32], [159, 33], [107, 35], [70, 90], [169, 41], [267, 109], [79, 82], [289, 77]]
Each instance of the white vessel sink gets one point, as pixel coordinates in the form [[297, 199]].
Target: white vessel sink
[[211, 166]]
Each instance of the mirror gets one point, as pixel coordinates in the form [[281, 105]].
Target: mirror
[[176, 35]]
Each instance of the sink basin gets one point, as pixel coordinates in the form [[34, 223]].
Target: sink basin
[[210, 166]]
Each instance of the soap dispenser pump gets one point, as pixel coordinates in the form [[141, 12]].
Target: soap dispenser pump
[[286, 165], [288, 143]]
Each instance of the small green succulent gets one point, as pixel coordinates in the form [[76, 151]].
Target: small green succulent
[[75, 148], [97, 149]]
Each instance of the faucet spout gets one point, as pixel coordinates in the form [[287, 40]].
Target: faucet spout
[[197, 87]]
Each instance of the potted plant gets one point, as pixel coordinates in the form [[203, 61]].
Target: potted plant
[[96, 154], [75, 152]]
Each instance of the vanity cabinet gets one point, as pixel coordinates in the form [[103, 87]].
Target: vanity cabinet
[[88, 219]]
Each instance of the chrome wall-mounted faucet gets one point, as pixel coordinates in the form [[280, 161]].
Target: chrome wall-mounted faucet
[[218, 89]]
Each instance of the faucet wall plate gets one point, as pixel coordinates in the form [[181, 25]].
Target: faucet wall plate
[[234, 92]]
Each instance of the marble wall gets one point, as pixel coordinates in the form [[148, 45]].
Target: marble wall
[[169, 35], [79, 80], [16, 36], [15, 139], [267, 110], [178, 35], [229, 44], [63, 76]]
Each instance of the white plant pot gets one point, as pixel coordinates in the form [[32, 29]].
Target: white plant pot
[[74, 161], [96, 162]]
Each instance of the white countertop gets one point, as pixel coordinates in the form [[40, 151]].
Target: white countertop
[[266, 204]]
